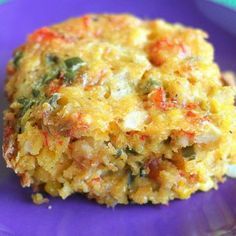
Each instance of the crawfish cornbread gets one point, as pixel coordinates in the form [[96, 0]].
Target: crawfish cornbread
[[122, 109]]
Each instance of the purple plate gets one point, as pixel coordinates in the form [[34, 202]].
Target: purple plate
[[211, 213]]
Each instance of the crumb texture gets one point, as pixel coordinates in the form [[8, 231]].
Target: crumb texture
[[120, 109]]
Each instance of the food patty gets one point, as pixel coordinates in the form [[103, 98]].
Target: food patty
[[121, 109]]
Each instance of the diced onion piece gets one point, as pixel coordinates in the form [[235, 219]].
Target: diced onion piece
[[211, 133], [135, 120], [120, 86], [183, 141]]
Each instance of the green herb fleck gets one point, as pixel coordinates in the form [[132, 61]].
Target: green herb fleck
[[153, 83], [26, 104], [17, 57], [51, 75], [149, 86], [53, 100], [52, 59], [118, 153], [35, 92], [189, 152], [69, 77], [130, 178], [142, 172], [131, 151]]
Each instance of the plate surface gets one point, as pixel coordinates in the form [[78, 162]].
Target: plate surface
[[212, 213]]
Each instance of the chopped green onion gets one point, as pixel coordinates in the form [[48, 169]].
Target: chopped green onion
[[72, 66], [69, 77], [55, 67], [26, 104], [51, 75], [74, 63], [35, 92]]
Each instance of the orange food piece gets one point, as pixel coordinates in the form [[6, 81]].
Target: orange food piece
[[159, 98], [44, 34], [191, 114], [86, 21], [10, 70], [157, 48], [8, 131], [154, 168], [144, 137], [191, 106]]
